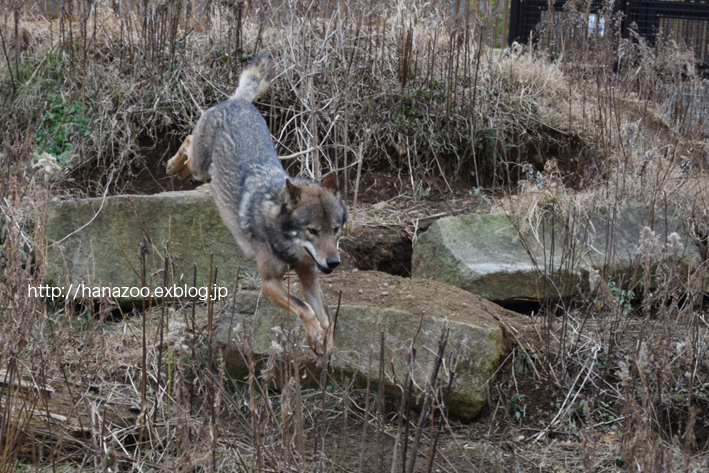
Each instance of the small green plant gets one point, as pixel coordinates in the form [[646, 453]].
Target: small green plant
[[60, 124], [581, 410], [477, 191], [608, 413], [515, 407], [526, 363], [623, 297]]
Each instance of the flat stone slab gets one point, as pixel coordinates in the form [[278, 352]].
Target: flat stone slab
[[487, 255], [475, 343], [97, 242]]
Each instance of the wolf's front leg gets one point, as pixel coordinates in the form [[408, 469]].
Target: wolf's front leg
[[314, 295], [275, 292], [180, 163]]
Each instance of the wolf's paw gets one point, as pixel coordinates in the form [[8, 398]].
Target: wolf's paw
[[175, 164], [316, 340], [329, 343], [179, 164], [322, 350], [322, 361]]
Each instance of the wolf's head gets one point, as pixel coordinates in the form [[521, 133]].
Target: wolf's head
[[317, 216]]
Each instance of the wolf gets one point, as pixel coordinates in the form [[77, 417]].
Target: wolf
[[281, 222]]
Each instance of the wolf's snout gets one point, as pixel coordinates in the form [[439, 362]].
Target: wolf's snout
[[332, 263]]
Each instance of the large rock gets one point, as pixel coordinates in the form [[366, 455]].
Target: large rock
[[484, 254], [475, 340], [97, 242], [612, 240], [487, 255]]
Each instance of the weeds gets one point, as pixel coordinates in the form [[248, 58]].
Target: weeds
[[425, 94], [58, 126], [419, 93]]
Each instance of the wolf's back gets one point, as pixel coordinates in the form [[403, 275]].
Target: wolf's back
[[255, 79]]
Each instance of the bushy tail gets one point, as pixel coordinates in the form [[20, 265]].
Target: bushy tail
[[255, 79]]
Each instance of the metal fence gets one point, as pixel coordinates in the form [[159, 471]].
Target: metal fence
[[684, 22]]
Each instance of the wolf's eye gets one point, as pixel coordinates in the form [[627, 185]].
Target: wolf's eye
[[313, 231], [336, 229]]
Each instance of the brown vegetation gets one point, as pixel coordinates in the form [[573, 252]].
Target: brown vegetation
[[97, 94]]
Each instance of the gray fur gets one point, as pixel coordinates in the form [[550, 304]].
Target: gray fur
[[255, 79], [233, 146]]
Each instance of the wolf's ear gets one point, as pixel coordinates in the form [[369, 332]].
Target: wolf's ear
[[293, 191], [329, 182]]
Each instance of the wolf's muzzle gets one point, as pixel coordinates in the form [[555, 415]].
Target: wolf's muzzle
[[332, 263]]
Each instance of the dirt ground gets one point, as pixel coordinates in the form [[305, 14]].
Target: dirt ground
[[425, 297], [496, 441]]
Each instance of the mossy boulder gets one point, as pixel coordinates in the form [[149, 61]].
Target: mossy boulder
[[485, 255], [491, 256], [97, 242], [612, 239]]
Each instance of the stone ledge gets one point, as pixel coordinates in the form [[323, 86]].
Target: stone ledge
[[475, 341], [105, 252], [486, 255]]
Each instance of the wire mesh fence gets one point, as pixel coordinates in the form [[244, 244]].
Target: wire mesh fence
[[683, 22]]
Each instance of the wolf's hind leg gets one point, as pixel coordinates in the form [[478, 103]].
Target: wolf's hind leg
[[180, 163], [194, 156], [202, 139]]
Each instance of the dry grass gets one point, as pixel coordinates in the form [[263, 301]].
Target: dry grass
[[398, 87], [386, 87]]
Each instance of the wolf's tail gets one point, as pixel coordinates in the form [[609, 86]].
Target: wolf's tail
[[255, 79]]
